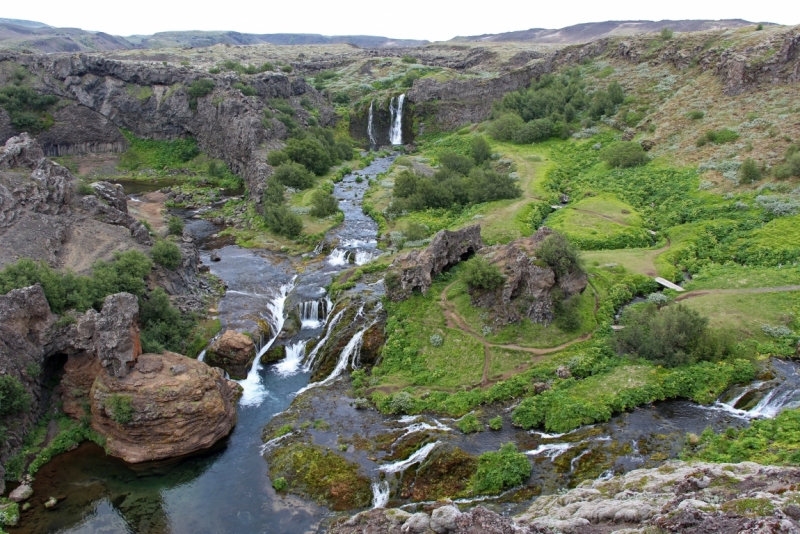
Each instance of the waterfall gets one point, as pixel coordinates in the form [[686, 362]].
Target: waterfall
[[417, 457], [363, 256], [370, 127], [290, 365], [253, 391], [350, 353], [380, 494], [396, 131], [338, 257], [313, 312], [551, 450], [318, 346]]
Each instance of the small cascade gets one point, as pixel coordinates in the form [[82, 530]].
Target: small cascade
[[314, 312], [417, 457], [419, 427], [202, 356], [363, 256], [339, 257], [551, 450], [311, 357], [380, 491], [774, 402], [253, 392], [785, 394], [350, 354], [319, 247], [370, 126], [291, 364], [396, 131]]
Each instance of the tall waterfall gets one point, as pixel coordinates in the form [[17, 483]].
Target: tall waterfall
[[370, 127], [396, 132], [253, 390]]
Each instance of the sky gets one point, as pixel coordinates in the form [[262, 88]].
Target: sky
[[434, 20]]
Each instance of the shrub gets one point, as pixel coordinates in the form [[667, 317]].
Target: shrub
[[496, 423], [13, 397], [749, 172], [672, 336], [506, 127], [469, 424], [559, 254], [27, 108], [246, 90], [323, 204], [615, 93], [624, 154], [533, 131], [310, 153], [163, 326], [666, 34], [695, 115], [294, 175], [341, 98], [409, 59], [198, 89], [282, 221], [277, 157], [166, 254], [480, 274], [501, 470], [286, 68], [456, 162], [121, 408], [415, 231], [84, 189], [481, 151], [791, 166], [718, 137], [280, 484], [436, 340], [175, 225]]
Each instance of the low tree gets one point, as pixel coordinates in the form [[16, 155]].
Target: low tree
[[482, 275], [559, 254], [749, 172], [481, 151], [294, 175], [323, 204], [166, 254]]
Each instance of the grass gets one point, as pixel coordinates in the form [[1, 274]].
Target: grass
[[734, 276], [636, 260], [747, 313]]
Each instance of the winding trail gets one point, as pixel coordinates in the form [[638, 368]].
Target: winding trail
[[703, 292], [456, 322]]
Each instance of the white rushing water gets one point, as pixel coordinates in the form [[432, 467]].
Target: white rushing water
[[291, 364], [311, 357], [339, 257], [396, 132], [380, 494], [254, 392], [363, 256], [370, 127], [314, 312], [551, 450], [415, 458], [350, 353]]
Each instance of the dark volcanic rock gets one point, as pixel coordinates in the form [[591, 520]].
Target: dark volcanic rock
[[415, 270]]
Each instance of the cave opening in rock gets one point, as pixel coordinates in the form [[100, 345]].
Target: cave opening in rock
[[53, 370]]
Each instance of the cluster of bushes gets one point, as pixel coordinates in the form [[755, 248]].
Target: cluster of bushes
[[199, 89], [717, 137], [670, 336], [276, 213], [549, 107], [315, 148], [235, 66], [156, 154], [27, 108], [460, 182], [13, 397], [500, 470], [624, 154], [481, 275], [791, 165], [163, 326]]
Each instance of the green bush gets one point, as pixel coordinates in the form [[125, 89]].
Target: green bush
[[415, 231], [506, 127], [282, 221], [27, 108], [469, 424], [286, 68], [246, 90], [666, 34], [480, 274], [791, 165], [670, 336], [310, 153], [323, 204], [496, 423], [121, 407], [341, 98], [280, 484], [749, 172], [157, 154], [198, 89], [277, 157], [163, 326], [559, 254], [409, 59], [695, 115], [718, 137], [175, 225], [294, 175], [456, 162], [533, 131], [166, 253], [624, 154], [481, 151], [13, 397], [615, 93], [500, 470]]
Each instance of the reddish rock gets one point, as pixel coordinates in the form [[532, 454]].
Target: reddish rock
[[233, 352]]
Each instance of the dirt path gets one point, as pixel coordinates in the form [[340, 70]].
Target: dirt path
[[703, 292]]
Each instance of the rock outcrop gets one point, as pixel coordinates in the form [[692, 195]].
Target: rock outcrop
[[232, 351], [415, 270], [168, 405], [529, 285]]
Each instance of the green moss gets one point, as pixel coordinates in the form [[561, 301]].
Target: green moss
[[749, 507], [501, 470], [321, 475]]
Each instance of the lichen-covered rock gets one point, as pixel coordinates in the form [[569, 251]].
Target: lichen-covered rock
[[152, 413], [23, 492], [116, 339], [233, 352], [415, 270]]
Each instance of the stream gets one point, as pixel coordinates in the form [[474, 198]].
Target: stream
[[228, 490]]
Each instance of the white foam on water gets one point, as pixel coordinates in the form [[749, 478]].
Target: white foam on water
[[291, 364], [417, 457], [551, 450], [380, 494], [338, 257], [318, 346]]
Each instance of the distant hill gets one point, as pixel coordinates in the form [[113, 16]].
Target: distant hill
[[39, 37], [583, 33]]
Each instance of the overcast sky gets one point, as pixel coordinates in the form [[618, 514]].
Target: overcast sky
[[412, 19]]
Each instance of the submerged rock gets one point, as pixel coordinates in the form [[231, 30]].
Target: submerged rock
[[23, 492], [153, 413], [233, 352]]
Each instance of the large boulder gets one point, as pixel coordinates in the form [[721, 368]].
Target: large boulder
[[168, 405], [233, 352], [415, 270]]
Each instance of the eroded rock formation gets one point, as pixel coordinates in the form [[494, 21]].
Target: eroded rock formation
[[415, 270], [233, 352], [177, 405]]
